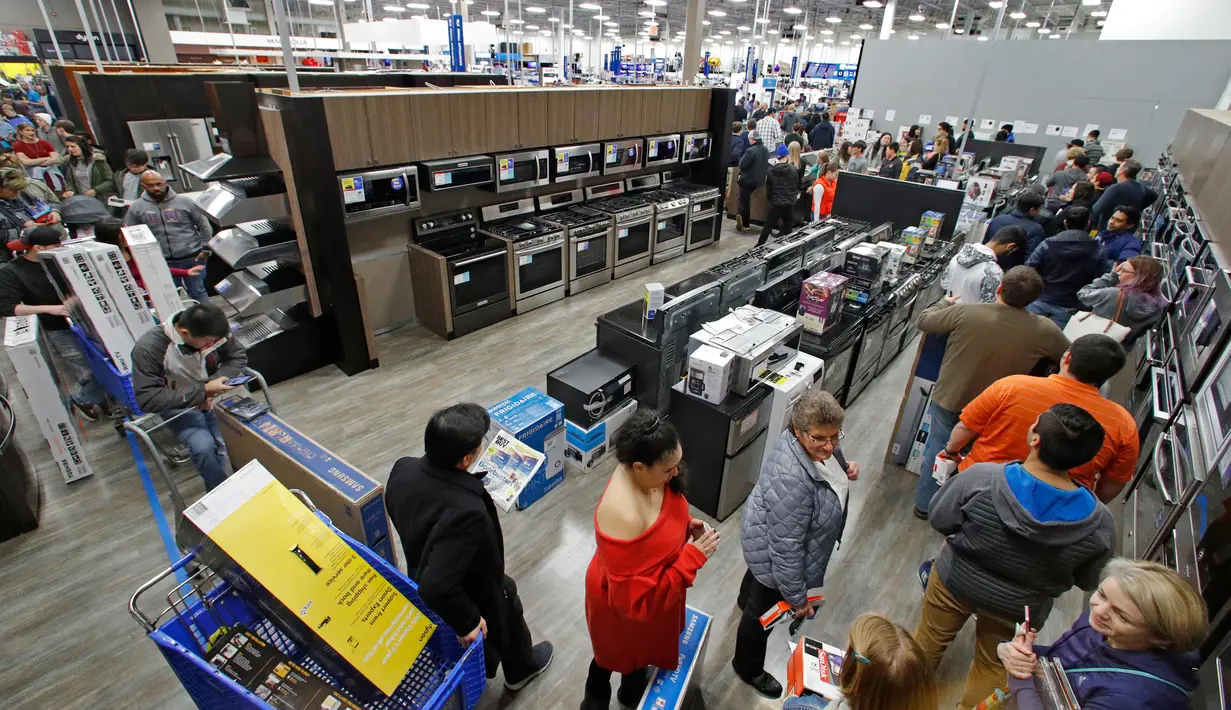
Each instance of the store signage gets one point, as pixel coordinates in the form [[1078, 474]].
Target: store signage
[[769, 83], [226, 39], [794, 66], [457, 55], [705, 65]]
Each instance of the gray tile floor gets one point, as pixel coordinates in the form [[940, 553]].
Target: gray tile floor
[[67, 641]]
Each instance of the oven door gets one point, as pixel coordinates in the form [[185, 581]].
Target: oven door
[[696, 147], [1213, 407], [703, 230], [669, 231], [633, 240], [704, 205], [539, 269], [1202, 341], [479, 280], [518, 171], [662, 150], [575, 162], [835, 372], [589, 255]]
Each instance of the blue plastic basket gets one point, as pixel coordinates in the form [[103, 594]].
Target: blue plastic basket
[[118, 386], [444, 677]]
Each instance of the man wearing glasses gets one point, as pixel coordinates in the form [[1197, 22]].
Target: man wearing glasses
[[792, 520]]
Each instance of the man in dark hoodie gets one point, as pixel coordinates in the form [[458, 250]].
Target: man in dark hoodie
[[753, 166], [782, 184], [822, 135], [1018, 535], [1120, 237], [1068, 262], [1025, 215]]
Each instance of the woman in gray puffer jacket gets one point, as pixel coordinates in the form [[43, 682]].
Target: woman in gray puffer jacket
[[792, 520], [1137, 281]]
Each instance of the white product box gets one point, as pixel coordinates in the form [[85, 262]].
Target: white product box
[[147, 255], [709, 373], [76, 269], [122, 287], [48, 401], [893, 262], [586, 448], [655, 296]]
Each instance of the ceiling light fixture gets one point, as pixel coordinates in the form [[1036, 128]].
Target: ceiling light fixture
[[743, 28], [833, 20], [794, 27], [600, 18], [320, 2], [873, 3], [725, 32], [1053, 36], [516, 22], [1017, 15], [995, 4], [706, 23], [1100, 23], [942, 25], [913, 37], [1044, 30], [515, 32], [646, 13], [983, 39], [536, 10], [389, 19], [490, 13], [532, 27], [1099, 13], [553, 19], [792, 10], [856, 36], [826, 32], [1091, 2], [418, 6], [809, 37], [865, 26], [589, 6], [958, 30], [393, 8], [773, 32], [917, 17], [611, 24], [728, 42], [1032, 24], [656, 3], [716, 13], [846, 44]]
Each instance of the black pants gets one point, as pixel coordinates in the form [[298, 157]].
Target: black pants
[[750, 639], [632, 685], [508, 639], [784, 214], [745, 203]]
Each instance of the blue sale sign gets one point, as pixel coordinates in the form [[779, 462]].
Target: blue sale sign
[[457, 54], [668, 689]]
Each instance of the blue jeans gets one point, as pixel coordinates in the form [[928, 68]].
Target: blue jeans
[[199, 431], [1060, 316], [194, 285], [943, 422], [88, 392]]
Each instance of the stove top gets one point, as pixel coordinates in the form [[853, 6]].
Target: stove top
[[750, 258], [623, 207], [692, 189], [576, 217], [848, 228], [661, 199], [521, 227]]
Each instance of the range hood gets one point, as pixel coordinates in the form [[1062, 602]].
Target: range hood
[[230, 202], [224, 166], [255, 242]]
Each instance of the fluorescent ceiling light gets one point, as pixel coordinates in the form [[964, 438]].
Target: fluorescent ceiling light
[[646, 13], [794, 27], [1017, 15], [418, 6], [846, 44], [725, 32], [728, 42], [706, 23], [743, 28], [873, 3], [716, 13], [1032, 24], [490, 13], [320, 2], [832, 19], [856, 36], [516, 22], [1100, 23], [1091, 2], [773, 32], [983, 39], [1054, 36], [792, 10], [611, 24], [995, 4], [809, 37], [942, 25], [389, 19], [913, 37], [916, 17], [829, 41], [656, 3], [1099, 13], [579, 33], [553, 19], [393, 8], [1043, 30], [600, 18], [865, 26], [589, 6], [515, 32], [536, 10], [826, 32], [762, 20], [958, 30], [532, 27], [653, 23]]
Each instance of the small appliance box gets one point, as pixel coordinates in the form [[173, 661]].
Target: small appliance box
[[591, 386], [74, 267], [813, 668], [820, 301], [932, 223], [709, 373], [147, 255], [23, 341], [271, 675], [865, 264], [893, 260], [537, 421], [655, 296], [253, 532], [912, 238], [352, 500], [680, 688], [122, 287], [586, 448]]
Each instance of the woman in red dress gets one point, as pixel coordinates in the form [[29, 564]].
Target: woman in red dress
[[649, 551]]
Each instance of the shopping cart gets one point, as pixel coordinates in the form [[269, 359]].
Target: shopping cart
[[446, 676]]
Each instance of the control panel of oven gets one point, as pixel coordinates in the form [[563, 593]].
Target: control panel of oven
[[440, 223], [530, 243]]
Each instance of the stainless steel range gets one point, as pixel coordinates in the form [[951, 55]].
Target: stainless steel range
[[589, 238], [670, 216], [704, 220], [634, 226], [537, 251]]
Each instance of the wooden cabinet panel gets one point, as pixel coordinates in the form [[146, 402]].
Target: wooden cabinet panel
[[434, 126], [531, 119], [561, 119], [633, 118], [349, 128], [586, 124], [610, 113], [472, 132], [502, 120], [671, 110], [652, 106], [698, 117]]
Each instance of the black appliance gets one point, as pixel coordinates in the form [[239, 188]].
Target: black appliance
[[1214, 677], [781, 258], [818, 242], [537, 269], [623, 156], [662, 150], [591, 386], [573, 162], [518, 171], [867, 355], [901, 322], [589, 239], [633, 223], [723, 446], [836, 346], [781, 295], [1162, 489], [374, 193], [659, 347], [476, 277], [696, 147], [741, 277], [704, 220], [454, 173], [21, 494], [1206, 335]]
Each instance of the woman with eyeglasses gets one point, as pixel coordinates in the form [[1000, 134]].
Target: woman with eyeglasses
[[792, 520], [649, 551], [1131, 295]]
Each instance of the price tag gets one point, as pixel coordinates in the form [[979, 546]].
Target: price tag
[[523, 260], [442, 178], [584, 246], [663, 225], [749, 422], [459, 279], [506, 168], [352, 190], [623, 233], [653, 148], [562, 161]]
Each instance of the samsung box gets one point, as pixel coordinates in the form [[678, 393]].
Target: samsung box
[[332, 603], [709, 373], [122, 287], [820, 301], [147, 256], [586, 448], [72, 268], [591, 386], [680, 689], [352, 500], [50, 402], [537, 421]]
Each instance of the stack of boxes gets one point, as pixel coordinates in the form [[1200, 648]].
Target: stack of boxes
[[98, 298], [894, 260], [537, 421], [912, 238], [865, 267], [931, 223], [821, 301], [147, 257], [598, 395]]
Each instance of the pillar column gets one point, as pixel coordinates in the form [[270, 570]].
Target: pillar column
[[692, 40], [887, 19], [155, 33]]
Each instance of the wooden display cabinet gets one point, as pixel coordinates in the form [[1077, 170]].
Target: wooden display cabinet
[[561, 119], [346, 119], [502, 121], [532, 131]]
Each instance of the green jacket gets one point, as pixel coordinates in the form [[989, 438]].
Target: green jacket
[[100, 177]]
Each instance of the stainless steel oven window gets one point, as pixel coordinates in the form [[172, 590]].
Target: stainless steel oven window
[[540, 268], [670, 229], [478, 280], [589, 255], [633, 240]]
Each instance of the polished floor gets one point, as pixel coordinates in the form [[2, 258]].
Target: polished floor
[[67, 641]]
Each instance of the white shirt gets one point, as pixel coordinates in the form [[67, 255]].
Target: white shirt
[[833, 474]]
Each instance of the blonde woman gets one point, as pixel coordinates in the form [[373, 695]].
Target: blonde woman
[[884, 669], [1135, 648]]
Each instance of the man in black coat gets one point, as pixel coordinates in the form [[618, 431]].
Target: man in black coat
[[821, 136], [454, 546], [753, 167]]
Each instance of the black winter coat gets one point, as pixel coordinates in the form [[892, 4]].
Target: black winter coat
[[822, 136], [782, 184], [754, 166]]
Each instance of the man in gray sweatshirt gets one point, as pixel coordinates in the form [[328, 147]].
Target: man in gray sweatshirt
[[181, 230], [1018, 535]]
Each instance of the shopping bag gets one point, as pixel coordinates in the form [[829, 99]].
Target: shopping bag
[[1086, 323]]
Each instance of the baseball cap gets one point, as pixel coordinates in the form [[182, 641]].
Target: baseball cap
[[41, 236], [1104, 180]]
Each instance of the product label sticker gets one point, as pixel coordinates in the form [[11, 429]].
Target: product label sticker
[[443, 178], [506, 168], [611, 154], [749, 422], [462, 278], [152, 147], [653, 149], [623, 233], [697, 208], [524, 260], [352, 190], [583, 246], [396, 183], [562, 161], [663, 224]]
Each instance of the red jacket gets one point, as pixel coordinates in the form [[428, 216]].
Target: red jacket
[[635, 591]]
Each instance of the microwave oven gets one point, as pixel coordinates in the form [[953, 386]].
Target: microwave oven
[[573, 162], [452, 173], [696, 147], [662, 150], [517, 171], [374, 193], [622, 156]]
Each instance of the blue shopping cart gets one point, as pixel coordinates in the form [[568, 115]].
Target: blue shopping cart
[[446, 676]]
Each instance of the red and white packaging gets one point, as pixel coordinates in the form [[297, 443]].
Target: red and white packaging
[[147, 255], [814, 667], [943, 468]]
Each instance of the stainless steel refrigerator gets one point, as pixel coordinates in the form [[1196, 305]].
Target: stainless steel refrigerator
[[174, 142]]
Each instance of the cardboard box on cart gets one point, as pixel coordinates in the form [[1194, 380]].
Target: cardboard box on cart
[[354, 502], [680, 689], [147, 255], [537, 421]]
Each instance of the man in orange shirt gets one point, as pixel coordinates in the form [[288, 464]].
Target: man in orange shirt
[[998, 419]]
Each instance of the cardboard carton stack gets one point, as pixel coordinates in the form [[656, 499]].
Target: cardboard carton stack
[[147, 256], [865, 266], [537, 421]]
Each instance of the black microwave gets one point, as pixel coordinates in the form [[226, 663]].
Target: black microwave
[[374, 193], [452, 173], [662, 150], [573, 162], [623, 156], [696, 147]]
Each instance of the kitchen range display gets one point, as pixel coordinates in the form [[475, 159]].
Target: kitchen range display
[[454, 173], [704, 221], [588, 233], [468, 271], [574, 162], [538, 252], [670, 216], [633, 222]]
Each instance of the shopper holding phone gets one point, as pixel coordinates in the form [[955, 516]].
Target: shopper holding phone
[[792, 520]]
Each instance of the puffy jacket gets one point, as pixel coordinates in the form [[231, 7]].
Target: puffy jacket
[[1140, 311], [782, 183], [100, 177], [822, 136], [792, 520], [1120, 246], [1067, 262], [1034, 231], [1061, 180], [973, 274], [754, 165], [829, 188], [739, 144]]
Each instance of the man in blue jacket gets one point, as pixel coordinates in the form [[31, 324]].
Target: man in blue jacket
[[1126, 191], [1025, 215], [1120, 238], [822, 134], [1067, 262]]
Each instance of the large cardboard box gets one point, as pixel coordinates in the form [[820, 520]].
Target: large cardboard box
[[820, 301], [679, 689], [122, 287], [537, 421], [253, 532], [354, 502], [586, 448], [48, 400], [147, 255], [80, 282]]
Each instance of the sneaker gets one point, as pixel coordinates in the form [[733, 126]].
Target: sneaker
[[739, 223], [921, 514], [588, 704], [765, 684], [925, 572], [86, 412], [542, 654]]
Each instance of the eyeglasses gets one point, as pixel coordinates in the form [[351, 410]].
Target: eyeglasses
[[831, 440]]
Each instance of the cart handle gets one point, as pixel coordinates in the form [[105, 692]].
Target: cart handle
[[141, 618]]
